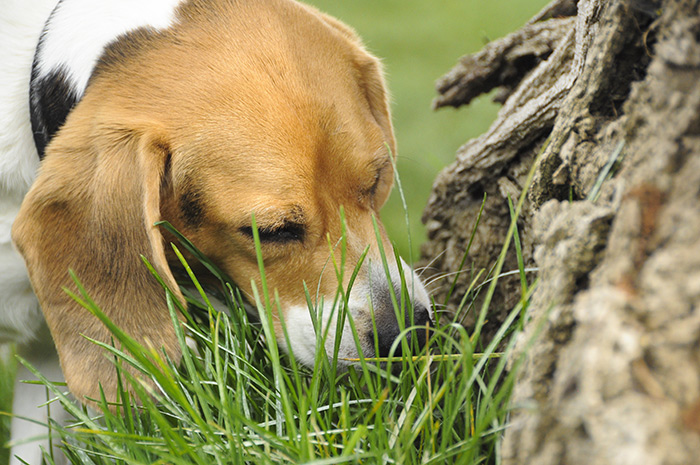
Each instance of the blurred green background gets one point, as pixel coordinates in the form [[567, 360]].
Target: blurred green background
[[419, 41]]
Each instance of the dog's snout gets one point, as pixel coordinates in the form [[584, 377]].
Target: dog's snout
[[389, 330]]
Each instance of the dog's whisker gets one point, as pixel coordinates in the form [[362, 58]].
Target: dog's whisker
[[419, 270], [438, 306], [430, 263], [441, 276]]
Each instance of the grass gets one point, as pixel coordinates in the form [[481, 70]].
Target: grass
[[8, 369], [236, 398]]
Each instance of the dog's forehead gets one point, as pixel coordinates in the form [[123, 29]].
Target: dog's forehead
[[282, 158], [280, 166], [286, 132], [293, 81]]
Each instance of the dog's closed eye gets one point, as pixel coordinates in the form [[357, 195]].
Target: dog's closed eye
[[282, 234]]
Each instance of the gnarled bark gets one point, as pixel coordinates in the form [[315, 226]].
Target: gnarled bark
[[614, 376]]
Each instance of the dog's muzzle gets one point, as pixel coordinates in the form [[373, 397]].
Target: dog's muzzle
[[375, 313]]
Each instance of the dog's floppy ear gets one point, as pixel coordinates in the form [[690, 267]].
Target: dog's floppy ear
[[92, 210]]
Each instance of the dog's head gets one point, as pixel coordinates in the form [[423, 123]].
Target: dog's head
[[264, 108]]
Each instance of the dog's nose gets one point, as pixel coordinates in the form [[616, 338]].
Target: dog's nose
[[421, 316], [388, 330], [421, 319]]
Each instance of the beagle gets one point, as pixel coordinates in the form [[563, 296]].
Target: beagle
[[201, 113]]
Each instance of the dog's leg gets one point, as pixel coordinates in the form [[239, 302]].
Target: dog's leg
[[28, 398]]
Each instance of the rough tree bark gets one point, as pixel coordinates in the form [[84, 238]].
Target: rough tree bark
[[612, 87]]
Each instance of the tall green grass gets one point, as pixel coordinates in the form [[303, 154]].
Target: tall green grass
[[8, 371], [236, 398]]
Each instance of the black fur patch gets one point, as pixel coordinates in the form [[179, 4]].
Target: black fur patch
[[51, 98]]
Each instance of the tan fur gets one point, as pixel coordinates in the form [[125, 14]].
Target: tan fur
[[266, 107]]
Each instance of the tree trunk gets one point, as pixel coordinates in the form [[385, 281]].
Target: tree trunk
[[609, 93]]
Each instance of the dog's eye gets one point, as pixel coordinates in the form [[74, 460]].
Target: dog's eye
[[290, 232]]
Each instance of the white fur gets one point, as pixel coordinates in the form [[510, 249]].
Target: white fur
[[79, 30], [21, 23], [303, 338], [20, 27]]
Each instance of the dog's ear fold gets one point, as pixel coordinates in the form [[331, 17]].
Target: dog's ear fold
[[371, 81], [370, 77], [92, 210]]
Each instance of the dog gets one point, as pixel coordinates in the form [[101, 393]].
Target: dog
[[202, 113]]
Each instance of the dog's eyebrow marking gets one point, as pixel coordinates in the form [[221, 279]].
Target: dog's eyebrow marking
[[281, 234], [287, 227], [192, 206]]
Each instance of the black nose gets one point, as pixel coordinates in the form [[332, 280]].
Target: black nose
[[421, 318], [388, 331]]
